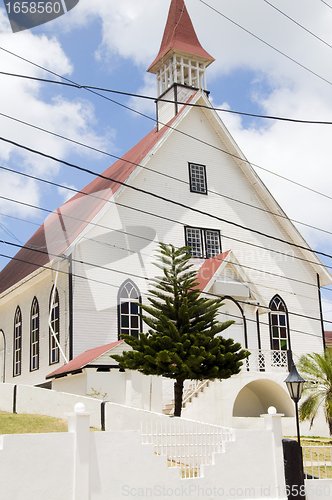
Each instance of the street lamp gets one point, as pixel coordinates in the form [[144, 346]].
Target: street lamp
[[295, 383]]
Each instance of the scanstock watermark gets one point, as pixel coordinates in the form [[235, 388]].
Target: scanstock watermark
[[28, 14]]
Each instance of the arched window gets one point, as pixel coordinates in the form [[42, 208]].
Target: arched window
[[17, 350], [34, 336], [129, 320], [54, 330], [279, 330]]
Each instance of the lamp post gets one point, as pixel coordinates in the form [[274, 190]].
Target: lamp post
[[295, 383]]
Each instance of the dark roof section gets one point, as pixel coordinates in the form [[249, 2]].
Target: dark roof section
[[83, 360], [66, 223], [180, 35]]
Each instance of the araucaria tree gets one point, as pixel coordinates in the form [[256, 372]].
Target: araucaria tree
[[316, 369], [182, 341]]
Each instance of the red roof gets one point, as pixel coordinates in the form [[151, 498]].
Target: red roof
[[180, 35], [65, 224], [209, 268], [328, 337], [83, 359]]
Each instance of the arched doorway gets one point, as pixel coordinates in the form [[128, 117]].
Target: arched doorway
[[231, 310], [256, 397], [2, 356]]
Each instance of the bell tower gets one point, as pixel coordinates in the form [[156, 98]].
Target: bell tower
[[181, 62]]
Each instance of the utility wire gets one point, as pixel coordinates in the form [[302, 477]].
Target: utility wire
[[158, 173], [170, 127], [298, 24], [266, 43], [162, 99], [135, 235], [326, 4], [163, 198], [79, 261]]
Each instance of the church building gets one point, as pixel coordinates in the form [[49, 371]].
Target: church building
[[74, 288]]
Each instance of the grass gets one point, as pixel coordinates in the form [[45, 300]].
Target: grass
[[319, 455], [11, 423]]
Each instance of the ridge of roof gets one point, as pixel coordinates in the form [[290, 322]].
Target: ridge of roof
[[83, 359], [180, 35]]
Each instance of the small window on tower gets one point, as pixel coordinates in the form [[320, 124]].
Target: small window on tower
[[197, 178]]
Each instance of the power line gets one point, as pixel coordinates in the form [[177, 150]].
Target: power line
[[162, 99], [162, 173], [170, 127], [298, 24], [326, 4], [266, 43], [163, 198], [139, 277], [147, 239], [138, 236]]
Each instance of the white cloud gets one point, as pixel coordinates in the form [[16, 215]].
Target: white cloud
[[24, 99]]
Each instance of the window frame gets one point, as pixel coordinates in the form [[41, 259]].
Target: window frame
[[122, 300], [191, 180], [203, 237], [53, 347], [278, 325], [17, 351], [34, 335]]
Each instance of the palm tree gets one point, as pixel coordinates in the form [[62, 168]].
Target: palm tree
[[316, 369]]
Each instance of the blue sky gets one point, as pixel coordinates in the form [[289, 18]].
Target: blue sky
[[110, 44]]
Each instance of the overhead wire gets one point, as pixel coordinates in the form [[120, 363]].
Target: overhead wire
[[170, 127], [147, 239], [163, 174], [328, 5], [163, 198], [297, 23], [163, 99], [139, 277], [266, 43], [187, 207]]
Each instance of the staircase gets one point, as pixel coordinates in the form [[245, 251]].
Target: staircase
[[190, 392]]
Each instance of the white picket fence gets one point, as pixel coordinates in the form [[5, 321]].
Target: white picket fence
[[188, 445], [317, 460]]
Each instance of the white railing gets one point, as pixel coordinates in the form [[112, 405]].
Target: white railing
[[186, 444], [317, 460], [192, 389], [268, 361]]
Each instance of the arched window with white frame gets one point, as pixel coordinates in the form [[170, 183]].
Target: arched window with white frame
[[129, 319], [17, 349], [279, 329], [34, 335], [54, 329]]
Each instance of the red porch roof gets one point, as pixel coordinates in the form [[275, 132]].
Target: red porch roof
[[83, 359]]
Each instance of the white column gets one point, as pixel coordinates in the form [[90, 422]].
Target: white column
[[273, 423], [204, 76], [79, 424], [182, 71]]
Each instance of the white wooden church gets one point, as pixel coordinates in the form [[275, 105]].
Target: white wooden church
[[73, 289]]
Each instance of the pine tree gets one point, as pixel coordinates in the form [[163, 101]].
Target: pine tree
[[182, 341]]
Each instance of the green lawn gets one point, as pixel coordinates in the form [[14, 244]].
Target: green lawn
[[11, 423]]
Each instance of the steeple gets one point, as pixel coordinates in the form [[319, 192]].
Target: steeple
[[181, 57]]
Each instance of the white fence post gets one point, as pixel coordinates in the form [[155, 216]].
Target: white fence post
[[273, 423], [79, 424]]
